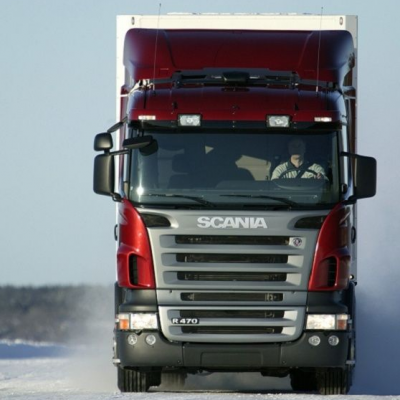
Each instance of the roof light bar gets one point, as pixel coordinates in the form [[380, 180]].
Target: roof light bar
[[278, 121], [189, 120]]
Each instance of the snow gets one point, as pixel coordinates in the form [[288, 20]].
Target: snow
[[46, 371], [26, 349]]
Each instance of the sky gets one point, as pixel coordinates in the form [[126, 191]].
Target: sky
[[57, 90]]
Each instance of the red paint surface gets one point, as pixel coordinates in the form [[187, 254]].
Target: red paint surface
[[134, 240], [333, 241], [275, 50]]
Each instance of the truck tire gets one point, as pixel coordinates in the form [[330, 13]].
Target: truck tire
[[131, 380], [303, 380], [173, 379], [332, 381]]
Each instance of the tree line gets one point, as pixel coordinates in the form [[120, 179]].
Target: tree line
[[56, 314]]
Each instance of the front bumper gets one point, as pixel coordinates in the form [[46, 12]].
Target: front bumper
[[232, 357]]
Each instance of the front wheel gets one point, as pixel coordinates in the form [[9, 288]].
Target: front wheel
[[131, 380], [333, 381], [303, 380], [174, 380]]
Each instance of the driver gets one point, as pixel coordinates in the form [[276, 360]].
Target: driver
[[298, 166]]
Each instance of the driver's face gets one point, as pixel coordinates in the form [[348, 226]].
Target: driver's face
[[296, 147]]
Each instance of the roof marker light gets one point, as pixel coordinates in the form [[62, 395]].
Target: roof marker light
[[189, 120], [322, 119], [146, 117], [278, 121]]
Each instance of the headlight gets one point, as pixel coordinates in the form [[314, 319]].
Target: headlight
[[144, 321], [331, 322], [140, 321]]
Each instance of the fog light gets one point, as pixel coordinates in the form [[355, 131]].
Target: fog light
[[151, 340], [333, 340], [132, 339], [314, 340]]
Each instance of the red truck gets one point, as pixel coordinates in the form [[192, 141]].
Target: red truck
[[236, 180]]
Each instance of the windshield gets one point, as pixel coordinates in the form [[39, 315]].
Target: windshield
[[236, 169]]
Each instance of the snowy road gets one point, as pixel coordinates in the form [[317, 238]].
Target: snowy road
[[63, 378], [68, 377], [44, 373]]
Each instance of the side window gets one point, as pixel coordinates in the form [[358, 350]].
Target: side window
[[126, 166], [344, 161], [351, 124], [349, 136]]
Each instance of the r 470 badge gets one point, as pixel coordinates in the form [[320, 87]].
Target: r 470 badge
[[185, 321]]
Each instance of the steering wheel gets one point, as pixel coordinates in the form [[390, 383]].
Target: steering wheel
[[302, 172]]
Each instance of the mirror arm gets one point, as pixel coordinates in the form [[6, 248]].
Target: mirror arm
[[118, 152], [117, 126], [351, 200], [116, 197], [347, 154]]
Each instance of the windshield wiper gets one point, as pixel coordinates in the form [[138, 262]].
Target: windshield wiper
[[262, 196], [183, 196]]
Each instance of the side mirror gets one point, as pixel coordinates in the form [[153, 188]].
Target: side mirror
[[104, 164], [103, 177], [365, 183], [137, 142], [103, 142], [146, 144], [365, 176], [103, 174]]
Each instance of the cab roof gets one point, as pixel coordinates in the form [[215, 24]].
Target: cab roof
[[160, 53]]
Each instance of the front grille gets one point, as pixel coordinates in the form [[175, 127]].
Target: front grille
[[231, 276], [232, 258], [258, 297], [231, 330], [232, 240], [233, 285], [233, 324], [232, 314]]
